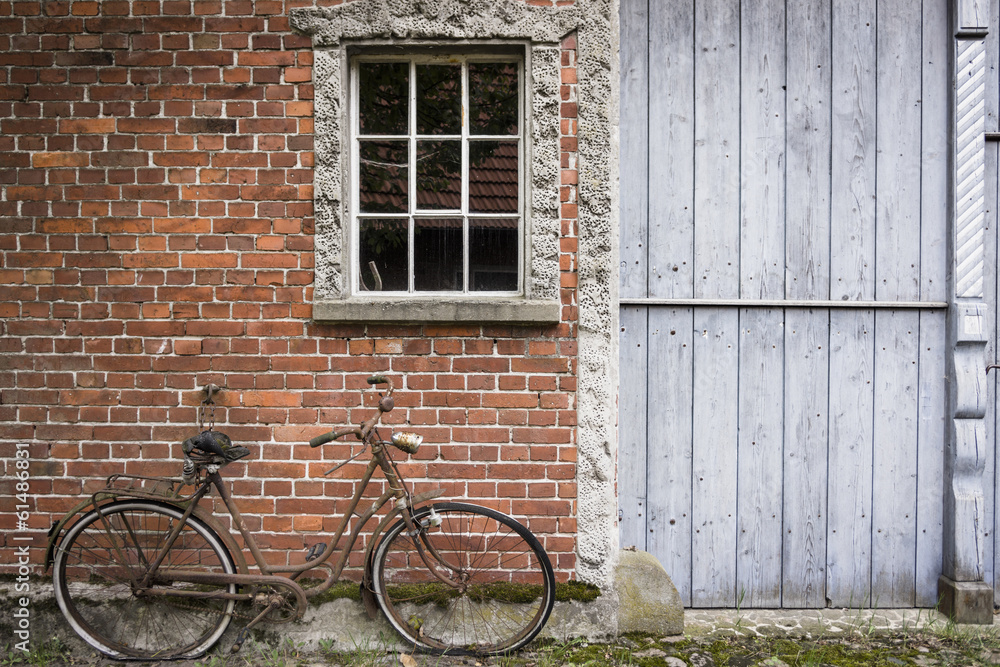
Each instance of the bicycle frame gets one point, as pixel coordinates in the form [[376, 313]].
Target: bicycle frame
[[214, 479]]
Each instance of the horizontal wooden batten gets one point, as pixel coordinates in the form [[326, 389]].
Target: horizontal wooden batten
[[783, 303]]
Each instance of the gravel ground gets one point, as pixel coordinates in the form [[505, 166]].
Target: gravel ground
[[715, 639]]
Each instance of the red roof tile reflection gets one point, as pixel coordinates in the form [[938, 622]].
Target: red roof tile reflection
[[493, 184]]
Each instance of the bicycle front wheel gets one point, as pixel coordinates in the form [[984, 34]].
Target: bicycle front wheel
[[490, 589], [101, 584]]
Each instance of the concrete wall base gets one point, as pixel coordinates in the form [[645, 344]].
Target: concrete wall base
[[643, 599], [966, 601], [343, 623]]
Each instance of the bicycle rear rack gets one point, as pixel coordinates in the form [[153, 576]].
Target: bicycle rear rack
[[146, 488]]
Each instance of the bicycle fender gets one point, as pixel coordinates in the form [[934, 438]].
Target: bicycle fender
[[55, 532], [57, 528], [392, 514]]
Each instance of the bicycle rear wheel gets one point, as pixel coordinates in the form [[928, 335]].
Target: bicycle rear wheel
[[98, 570], [498, 590]]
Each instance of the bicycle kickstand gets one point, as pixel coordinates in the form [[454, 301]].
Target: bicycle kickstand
[[244, 633]]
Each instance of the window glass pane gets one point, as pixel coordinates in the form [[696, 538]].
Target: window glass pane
[[382, 177], [437, 255], [384, 243], [383, 97], [439, 174], [493, 254], [493, 98], [439, 99], [493, 176]]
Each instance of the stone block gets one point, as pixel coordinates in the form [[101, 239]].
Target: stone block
[[966, 601], [647, 599]]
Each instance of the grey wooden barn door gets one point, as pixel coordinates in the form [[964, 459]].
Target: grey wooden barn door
[[784, 210]]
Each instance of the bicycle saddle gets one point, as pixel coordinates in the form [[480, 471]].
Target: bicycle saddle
[[215, 443]]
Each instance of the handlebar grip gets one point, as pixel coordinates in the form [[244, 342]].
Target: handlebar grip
[[322, 439], [377, 379], [333, 435]]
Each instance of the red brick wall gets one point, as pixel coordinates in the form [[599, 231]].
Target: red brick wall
[[156, 235]]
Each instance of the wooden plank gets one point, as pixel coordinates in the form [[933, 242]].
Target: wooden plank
[[714, 432], [849, 532], [931, 432], [993, 65], [807, 218], [759, 457], [852, 168], [634, 146], [898, 131], [632, 426], [894, 494], [717, 141], [807, 367], [992, 473], [935, 192], [670, 450], [762, 150], [671, 149]]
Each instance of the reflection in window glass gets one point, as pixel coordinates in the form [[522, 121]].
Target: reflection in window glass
[[439, 99], [384, 243], [493, 98], [383, 177], [437, 255], [439, 175], [383, 97], [493, 176], [493, 244]]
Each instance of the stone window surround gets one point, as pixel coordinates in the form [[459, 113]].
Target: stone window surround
[[334, 297]]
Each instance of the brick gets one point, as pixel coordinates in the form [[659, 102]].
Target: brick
[[34, 193], [146, 125], [187, 347], [49, 160], [207, 125], [87, 126]]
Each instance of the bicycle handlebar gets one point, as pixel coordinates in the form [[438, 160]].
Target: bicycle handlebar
[[333, 435], [384, 405]]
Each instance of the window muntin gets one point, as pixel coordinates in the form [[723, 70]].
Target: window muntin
[[437, 187]]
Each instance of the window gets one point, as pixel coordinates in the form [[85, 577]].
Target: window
[[437, 155], [438, 164]]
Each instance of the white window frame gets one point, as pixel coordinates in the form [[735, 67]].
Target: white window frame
[[465, 137]]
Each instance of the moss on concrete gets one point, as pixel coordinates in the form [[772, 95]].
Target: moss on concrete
[[440, 594]]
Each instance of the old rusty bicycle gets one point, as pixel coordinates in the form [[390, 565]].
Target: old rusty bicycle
[[142, 570]]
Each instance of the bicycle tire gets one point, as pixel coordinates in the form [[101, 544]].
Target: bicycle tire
[[507, 587], [94, 571]]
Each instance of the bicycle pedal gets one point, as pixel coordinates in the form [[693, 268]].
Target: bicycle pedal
[[240, 638], [315, 551]]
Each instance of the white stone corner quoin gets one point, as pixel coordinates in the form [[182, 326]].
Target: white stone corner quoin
[[468, 22]]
